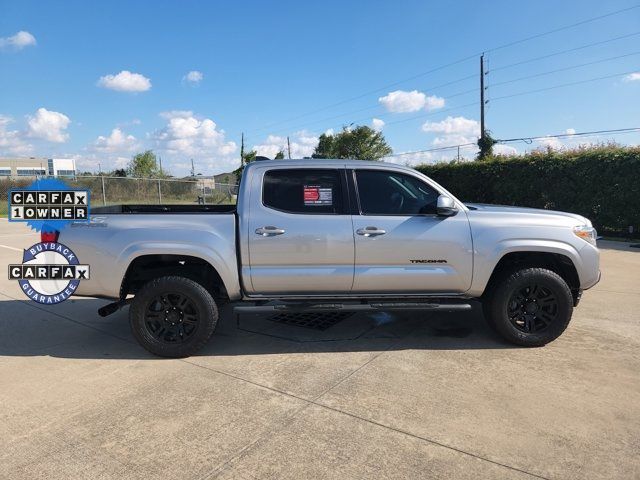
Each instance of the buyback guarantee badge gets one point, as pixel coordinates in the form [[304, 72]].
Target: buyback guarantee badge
[[50, 271]]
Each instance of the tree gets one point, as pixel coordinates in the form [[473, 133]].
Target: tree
[[144, 165], [279, 155], [246, 159], [119, 172], [360, 143], [486, 143]]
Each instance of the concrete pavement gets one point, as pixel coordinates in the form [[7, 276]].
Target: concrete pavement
[[375, 396]]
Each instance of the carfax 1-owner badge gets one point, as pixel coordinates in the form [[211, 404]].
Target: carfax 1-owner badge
[[50, 272]]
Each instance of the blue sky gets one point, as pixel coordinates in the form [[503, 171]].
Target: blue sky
[[101, 80]]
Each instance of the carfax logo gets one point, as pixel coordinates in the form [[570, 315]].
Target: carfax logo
[[50, 272], [70, 205]]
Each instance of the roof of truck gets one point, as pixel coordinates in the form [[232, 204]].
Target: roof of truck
[[325, 162]]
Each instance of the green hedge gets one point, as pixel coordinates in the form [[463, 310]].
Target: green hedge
[[602, 183]]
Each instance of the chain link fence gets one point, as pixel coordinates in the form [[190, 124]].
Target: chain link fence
[[125, 190]]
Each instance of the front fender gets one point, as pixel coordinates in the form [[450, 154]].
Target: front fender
[[485, 260]]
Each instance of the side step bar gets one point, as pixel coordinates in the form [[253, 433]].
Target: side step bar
[[350, 307]]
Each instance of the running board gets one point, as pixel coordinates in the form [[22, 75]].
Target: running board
[[351, 307]]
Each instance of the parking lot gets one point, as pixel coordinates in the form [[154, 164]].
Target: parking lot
[[417, 395]]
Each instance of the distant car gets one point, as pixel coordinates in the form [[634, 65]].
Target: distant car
[[335, 234]]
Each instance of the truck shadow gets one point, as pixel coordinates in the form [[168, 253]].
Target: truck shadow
[[74, 330]]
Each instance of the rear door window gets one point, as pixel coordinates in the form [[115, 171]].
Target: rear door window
[[306, 191]]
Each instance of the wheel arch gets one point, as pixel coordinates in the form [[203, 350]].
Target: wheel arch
[[559, 263], [145, 268]]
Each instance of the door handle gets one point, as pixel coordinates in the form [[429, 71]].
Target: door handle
[[370, 231], [269, 231]]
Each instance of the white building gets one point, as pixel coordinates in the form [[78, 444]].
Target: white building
[[31, 167], [61, 167]]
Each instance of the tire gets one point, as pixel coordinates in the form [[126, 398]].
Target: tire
[[529, 307], [173, 316]]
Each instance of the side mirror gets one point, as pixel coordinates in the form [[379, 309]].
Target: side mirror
[[446, 207]]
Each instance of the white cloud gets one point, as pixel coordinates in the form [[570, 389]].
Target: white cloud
[[168, 115], [551, 142], [453, 125], [302, 145], [453, 131], [570, 131], [117, 141], [411, 159], [433, 102], [377, 124], [401, 101], [452, 140], [125, 81], [632, 77], [18, 41], [194, 77], [501, 149], [191, 136], [11, 141], [48, 125]]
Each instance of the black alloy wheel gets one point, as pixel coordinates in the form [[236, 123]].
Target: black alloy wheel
[[532, 308], [173, 316]]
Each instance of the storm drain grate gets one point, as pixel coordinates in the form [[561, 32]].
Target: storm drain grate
[[315, 320]]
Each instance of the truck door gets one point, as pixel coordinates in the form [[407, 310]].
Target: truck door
[[300, 232], [402, 246]]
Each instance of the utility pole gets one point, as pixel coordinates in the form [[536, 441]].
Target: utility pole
[[193, 170], [242, 151], [289, 147], [482, 131], [160, 173]]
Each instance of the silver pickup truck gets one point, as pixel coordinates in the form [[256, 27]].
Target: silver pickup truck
[[334, 234]]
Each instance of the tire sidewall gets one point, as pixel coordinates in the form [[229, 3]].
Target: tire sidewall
[[202, 301], [520, 279]]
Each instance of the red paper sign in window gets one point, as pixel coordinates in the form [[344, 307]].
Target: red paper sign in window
[[317, 195], [311, 194]]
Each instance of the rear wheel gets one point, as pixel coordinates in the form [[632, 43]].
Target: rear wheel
[[529, 307], [173, 316]]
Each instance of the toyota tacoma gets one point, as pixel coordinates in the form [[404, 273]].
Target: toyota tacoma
[[320, 235]]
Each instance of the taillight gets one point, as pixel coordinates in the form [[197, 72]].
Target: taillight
[[51, 236]]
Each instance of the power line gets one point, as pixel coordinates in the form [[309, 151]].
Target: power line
[[556, 30], [348, 100], [459, 107], [441, 67], [436, 149], [527, 77], [565, 135], [561, 52], [473, 90], [562, 85], [527, 140], [322, 120], [465, 92]]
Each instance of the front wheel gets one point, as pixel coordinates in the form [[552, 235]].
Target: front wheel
[[530, 307], [173, 316]]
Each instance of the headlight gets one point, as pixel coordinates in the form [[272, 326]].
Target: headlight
[[586, 233]]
